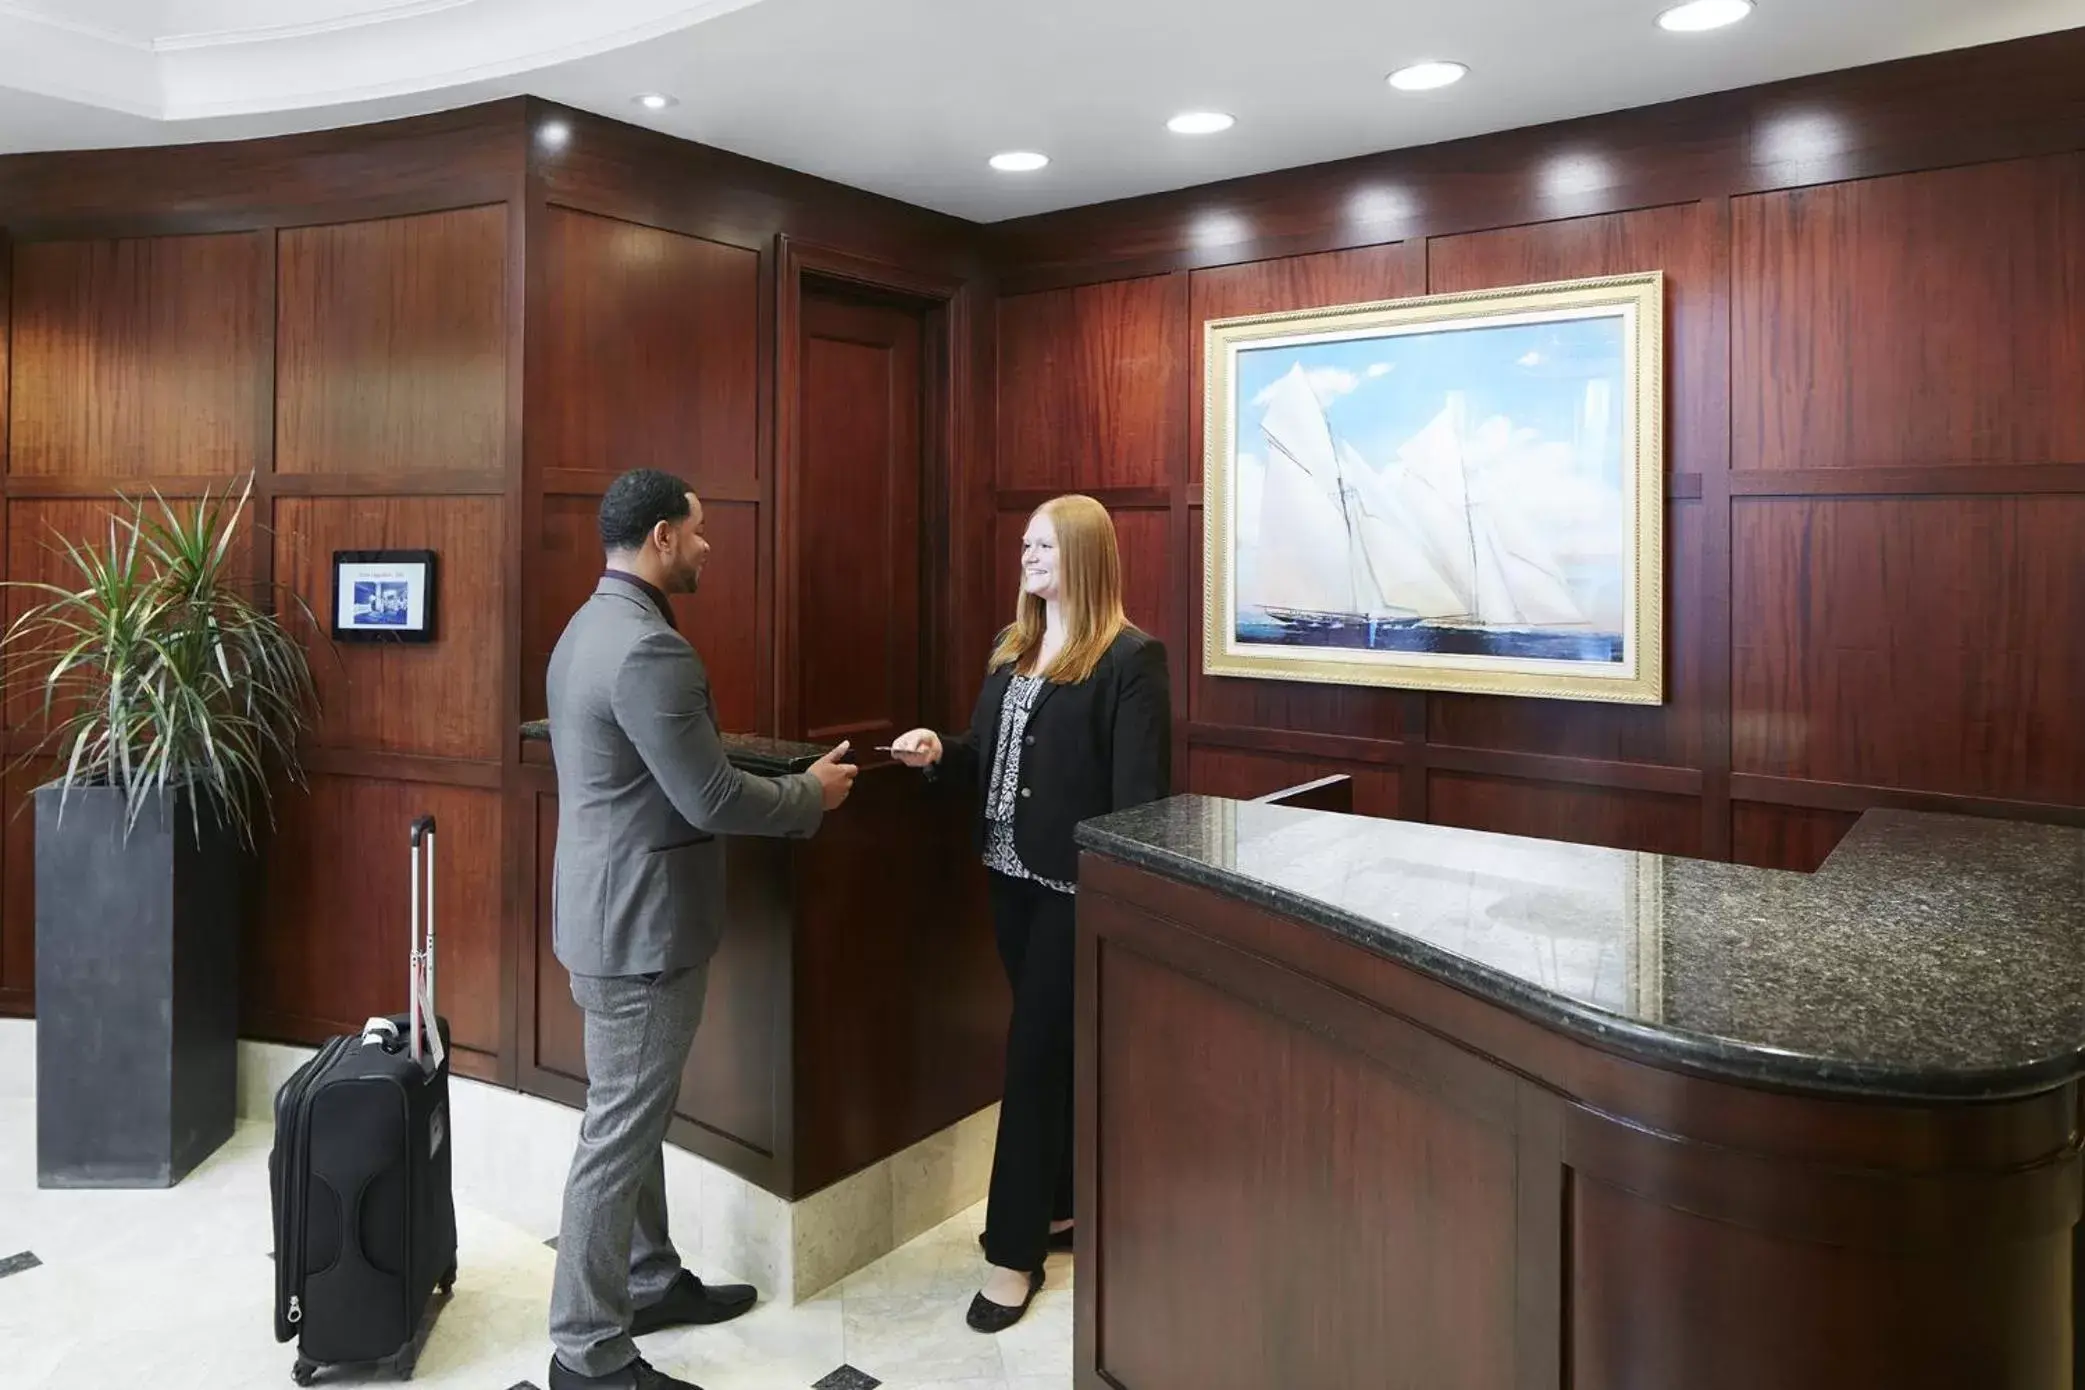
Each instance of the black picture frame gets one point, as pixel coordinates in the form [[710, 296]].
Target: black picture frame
[[407, 577]]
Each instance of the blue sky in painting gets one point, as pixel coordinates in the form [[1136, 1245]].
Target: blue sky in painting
[[1379, 392]]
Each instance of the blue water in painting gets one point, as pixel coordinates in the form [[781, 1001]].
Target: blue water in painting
[[1520, 644]]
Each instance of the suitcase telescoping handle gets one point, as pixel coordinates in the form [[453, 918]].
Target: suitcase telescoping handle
[[421, 962]]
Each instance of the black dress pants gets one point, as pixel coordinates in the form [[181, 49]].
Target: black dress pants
[[1032, 1164]]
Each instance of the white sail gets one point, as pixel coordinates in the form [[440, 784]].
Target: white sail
[[1303, 564], [1433, 485], [1529, 570], [1542, 598], [1295, 425], [1493, 597], [1434, 456], [1393, 551], [1385, 578], [1416, 542]]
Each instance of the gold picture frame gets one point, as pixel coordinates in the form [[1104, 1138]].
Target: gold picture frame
[[1490, 556]]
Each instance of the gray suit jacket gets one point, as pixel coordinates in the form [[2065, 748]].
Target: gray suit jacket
[[644, 788]]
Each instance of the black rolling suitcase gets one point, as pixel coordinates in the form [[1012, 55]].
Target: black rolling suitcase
[[365, 1221]]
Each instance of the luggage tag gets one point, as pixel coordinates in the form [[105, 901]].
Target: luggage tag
[[423, 1007]]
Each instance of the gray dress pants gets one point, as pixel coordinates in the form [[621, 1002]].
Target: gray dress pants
[[613, 1252]]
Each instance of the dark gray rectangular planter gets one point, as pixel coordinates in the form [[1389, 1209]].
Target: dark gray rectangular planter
[[137, 990]]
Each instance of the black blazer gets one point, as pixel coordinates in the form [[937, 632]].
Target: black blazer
[[1102, 745]]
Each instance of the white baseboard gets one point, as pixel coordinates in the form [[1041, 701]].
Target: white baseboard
[[17, 1059]]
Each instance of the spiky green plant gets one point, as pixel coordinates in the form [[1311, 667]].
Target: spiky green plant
[[163, 669]]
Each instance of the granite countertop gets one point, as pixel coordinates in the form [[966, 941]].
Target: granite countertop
[[1930, 957], [764, 757]]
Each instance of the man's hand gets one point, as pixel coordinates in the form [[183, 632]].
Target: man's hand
[[920, 748], [835, 778]]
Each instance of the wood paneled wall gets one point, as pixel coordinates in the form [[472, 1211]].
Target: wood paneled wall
[[1876, 458], [342, 315], [658, 279], [451, 332], [649, 358], [355, 354]]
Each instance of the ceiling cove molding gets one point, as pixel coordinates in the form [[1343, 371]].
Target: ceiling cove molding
[[442, 49], [266, 33], [408, 48], [79, 29], [79, 63]]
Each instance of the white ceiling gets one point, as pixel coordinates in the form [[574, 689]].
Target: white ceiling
[[910, 97]]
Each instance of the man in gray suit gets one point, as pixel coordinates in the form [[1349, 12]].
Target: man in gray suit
[[644, 790]]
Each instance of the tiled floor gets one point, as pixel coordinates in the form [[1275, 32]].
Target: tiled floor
[[172, 1290]]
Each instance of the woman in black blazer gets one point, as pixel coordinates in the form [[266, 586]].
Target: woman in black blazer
[[1074, 721]]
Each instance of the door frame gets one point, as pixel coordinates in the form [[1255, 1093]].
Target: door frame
[[946, 484]]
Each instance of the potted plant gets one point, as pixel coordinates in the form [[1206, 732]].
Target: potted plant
[[171, 693]]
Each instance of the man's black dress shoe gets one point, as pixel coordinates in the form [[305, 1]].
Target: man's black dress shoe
[[638, 1375], [987, 1316], [692, 1303]]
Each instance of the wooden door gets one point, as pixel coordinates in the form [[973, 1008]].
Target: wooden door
[[857, 518]]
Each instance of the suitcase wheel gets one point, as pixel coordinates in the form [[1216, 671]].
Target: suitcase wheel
[[448, 1281], [304, 1372]]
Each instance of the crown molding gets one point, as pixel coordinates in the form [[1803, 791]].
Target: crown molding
[[75, 28], [390, 13], [404, 48]]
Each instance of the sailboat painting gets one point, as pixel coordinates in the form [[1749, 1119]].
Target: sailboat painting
[[1455, 493]]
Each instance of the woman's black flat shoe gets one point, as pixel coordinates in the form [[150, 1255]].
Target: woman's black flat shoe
[[1059, 1240], [987, 1316]]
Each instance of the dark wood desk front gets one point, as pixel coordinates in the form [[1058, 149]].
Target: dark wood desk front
[[855, 1006], [1309, 1161]]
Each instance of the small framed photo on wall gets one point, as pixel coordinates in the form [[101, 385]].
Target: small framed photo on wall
[[383, 596]]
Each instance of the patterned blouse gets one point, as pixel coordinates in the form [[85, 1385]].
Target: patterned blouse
[[1002, 791]]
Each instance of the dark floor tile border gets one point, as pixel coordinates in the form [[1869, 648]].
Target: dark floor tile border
[[848, 1378]]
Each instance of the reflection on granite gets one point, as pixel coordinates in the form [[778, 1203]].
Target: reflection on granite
[[1930, 956], [764, 757]]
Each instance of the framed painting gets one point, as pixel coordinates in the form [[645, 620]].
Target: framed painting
[[1461, 492]]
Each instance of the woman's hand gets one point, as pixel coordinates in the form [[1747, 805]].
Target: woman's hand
[[920, 748]]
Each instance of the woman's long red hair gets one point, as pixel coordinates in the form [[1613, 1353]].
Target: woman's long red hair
[[1089, 576]]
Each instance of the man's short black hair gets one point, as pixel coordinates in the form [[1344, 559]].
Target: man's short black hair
[[636, 502]]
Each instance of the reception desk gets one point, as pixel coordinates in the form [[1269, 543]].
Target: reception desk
[[855, 1006], [1370, 1103]]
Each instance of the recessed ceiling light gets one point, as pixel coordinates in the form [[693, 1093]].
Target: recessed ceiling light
[[1200, 123], [1700, 15], [1427, 77], [1019, 162], [654, 101]]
